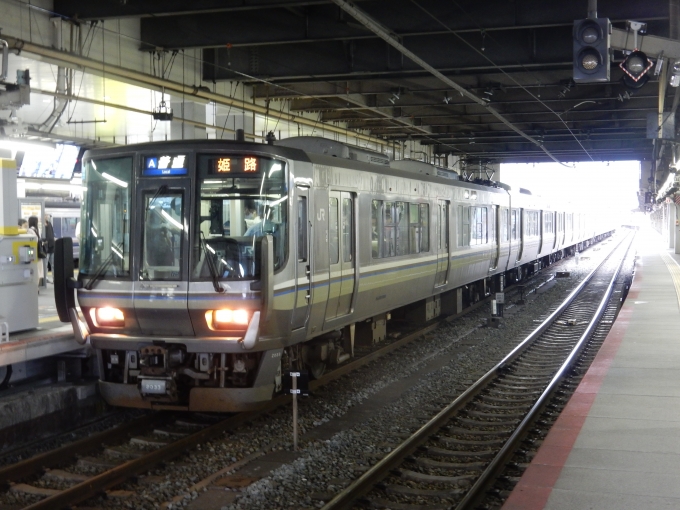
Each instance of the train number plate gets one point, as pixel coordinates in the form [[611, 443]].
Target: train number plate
[[153, 386]]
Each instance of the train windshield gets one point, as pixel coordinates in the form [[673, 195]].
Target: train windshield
[[105, 248], [239, 200]]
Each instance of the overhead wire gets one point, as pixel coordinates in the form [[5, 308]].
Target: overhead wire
[[486, 57]]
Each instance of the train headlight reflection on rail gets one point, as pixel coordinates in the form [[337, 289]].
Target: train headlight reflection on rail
[[108, 317], [227, 318]]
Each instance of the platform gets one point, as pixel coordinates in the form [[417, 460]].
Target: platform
[[51, 338], [616, 444]]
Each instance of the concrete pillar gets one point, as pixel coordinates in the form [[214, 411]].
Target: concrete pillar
[[675, 228], [669, 211], [191, 111], [9, 205], [233, 122]]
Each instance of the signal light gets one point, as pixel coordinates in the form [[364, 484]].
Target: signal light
[[635, 68], [591, 50]]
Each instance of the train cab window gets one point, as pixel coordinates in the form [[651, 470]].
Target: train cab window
[[240, 198], [106, 218], [333, 231], [162, 236]]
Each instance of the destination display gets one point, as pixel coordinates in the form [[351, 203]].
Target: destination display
[[235, 165], [165, 165]]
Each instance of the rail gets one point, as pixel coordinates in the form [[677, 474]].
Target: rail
[[347, 497]]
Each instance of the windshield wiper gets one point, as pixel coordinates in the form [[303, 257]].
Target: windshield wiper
[[211, 265], [161, 189], [99, 273]]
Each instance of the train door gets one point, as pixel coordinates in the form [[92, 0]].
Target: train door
[[541, 231], [341, 252], [443, 255], [303, 288], [162, 241], [494, 229], [517, 218]]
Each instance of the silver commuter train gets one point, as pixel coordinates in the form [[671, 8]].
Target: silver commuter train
[[209, 267]]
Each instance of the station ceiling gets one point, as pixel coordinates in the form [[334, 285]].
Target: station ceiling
[[516, 55]]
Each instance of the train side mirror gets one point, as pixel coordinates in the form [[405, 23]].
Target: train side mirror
[[64, 283]]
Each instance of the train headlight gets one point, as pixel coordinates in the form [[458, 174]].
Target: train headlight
[[108, 317], [227, 318]]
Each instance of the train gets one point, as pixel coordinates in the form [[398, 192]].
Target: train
[[208, 269]]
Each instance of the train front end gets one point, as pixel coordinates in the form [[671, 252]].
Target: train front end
[[179, 250]]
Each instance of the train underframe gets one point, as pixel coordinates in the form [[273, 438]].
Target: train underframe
[[161, 374]]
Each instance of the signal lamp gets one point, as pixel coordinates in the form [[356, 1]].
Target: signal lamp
[[108, 317], [591, 39], [635, 68]]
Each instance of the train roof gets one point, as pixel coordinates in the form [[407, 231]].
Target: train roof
[[311, 150]]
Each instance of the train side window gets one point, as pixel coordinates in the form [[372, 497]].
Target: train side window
[[333, 243], [504, 225], [492, 223], [479, 226], [401, 218], [389, 230], [463, 225], [425, 227], [347, 234], [376, 228], [302, 229], [414, 228], [513, 224]]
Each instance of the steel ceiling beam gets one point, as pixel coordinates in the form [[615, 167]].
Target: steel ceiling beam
[[191, 92]]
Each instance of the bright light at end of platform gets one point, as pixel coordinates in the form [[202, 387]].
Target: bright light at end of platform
[[608, 189]]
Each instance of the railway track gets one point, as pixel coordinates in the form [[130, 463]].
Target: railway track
[[84, 469], [453, 459]]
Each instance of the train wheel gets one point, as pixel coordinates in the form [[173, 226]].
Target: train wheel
[[5, 376], [317, 369]]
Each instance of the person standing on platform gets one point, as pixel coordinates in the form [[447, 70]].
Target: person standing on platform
[[23, 224], [49, 242]]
